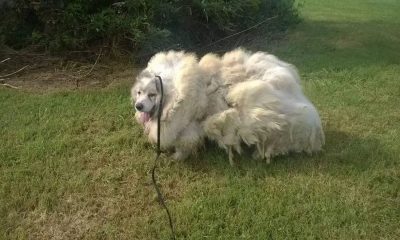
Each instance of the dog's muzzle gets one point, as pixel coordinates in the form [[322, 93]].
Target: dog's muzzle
[[139, 106]]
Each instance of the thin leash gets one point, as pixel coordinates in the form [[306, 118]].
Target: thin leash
[[161, 199], [159, 194]]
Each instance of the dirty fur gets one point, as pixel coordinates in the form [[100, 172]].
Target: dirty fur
[[238, 98]]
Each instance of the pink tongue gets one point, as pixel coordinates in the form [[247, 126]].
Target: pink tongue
[[144, 117]]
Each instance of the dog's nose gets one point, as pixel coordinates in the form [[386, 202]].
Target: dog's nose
[[139, 106]]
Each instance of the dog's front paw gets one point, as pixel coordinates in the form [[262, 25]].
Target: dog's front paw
[[230, 157], [180, 155]]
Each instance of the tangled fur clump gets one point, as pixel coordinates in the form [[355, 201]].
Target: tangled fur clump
[[241, 97], [268, 108]]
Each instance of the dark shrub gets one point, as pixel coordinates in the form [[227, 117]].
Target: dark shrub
[[146, 25]]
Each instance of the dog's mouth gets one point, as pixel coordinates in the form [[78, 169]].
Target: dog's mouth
[[145, 117]]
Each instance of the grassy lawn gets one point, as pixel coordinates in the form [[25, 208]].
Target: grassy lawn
[[74, 165]]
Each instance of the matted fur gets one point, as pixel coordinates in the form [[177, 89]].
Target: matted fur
[[238, 98], [268, 109]]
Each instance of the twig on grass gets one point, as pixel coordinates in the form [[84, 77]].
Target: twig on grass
[[8, 85], [10, 74], [78, 78], [3, 83]]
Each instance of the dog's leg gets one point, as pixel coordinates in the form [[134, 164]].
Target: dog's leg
[[180, 154], [268, 152], [268, 159], [263, 149], [230, 156], [258, 153], [190, 140]]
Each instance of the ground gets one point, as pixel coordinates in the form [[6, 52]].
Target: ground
[[74, 165]]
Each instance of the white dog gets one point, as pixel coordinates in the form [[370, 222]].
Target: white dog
[[239, 97]]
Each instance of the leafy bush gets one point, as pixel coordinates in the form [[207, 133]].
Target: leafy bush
[[146, 25]]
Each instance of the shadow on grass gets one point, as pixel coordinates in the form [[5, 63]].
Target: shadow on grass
[[343, 154]]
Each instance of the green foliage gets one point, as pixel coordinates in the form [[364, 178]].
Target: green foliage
[[135, 24]]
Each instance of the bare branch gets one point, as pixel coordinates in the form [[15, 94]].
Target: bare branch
[[77, 79], [5, 60], [10, 74], [9, 85], [90, 71]]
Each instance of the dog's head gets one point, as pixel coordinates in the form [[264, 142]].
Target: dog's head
[[146, 96]]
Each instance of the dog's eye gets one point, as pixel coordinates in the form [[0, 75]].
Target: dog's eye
[[152, 95], [139, 92]]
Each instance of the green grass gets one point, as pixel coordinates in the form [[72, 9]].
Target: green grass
[[74, 165]]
